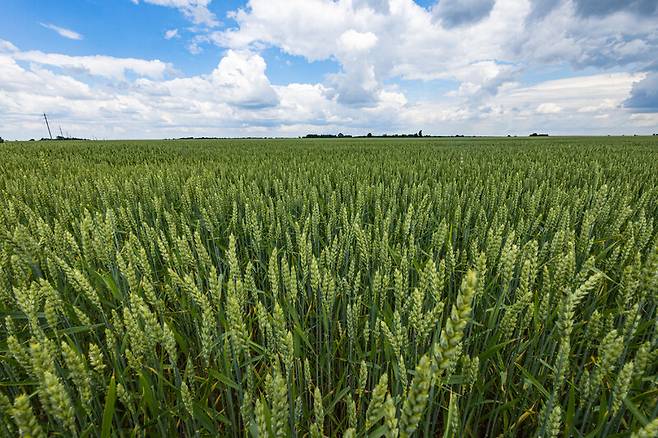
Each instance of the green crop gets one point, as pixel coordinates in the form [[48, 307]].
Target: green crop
[[461, 288]]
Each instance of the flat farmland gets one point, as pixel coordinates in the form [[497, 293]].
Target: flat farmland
[[347, 287]]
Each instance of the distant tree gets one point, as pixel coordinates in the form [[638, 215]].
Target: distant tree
[[340, 134], [420, 133], [1, 140], [369, 134]]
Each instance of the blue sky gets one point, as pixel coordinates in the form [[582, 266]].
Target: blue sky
[[169, 68]]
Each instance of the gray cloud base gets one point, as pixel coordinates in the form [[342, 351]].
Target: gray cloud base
[[595, 8], [587, 8], [454, 13], [644, 95]]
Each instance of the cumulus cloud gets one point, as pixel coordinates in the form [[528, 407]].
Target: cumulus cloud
[[236, 98], [16, 79], [379, 46], [563, 36], [62, 31], [238, 81], [644, 95], [353, 41], [373, 45], [482, 79], [241, 76], [235, 93], [408, 41], [356, 85]]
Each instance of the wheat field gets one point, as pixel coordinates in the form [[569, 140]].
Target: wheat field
[[436, 287]]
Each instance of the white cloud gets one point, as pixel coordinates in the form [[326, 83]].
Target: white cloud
[[410, 44], [460, 12], [171, 33], [16, 79], [605, 105], [646, 120], [381, 46], [574, 93], [62, 31], [353, 41], [549, 108], [194, 48], [195, 10], [586, 104], [376, 44], [236, 93], [241, 77], [237, 99], [97, 65], [400, 39], [6, 46], [620, 38]]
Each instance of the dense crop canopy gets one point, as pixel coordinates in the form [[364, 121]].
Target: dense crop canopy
[[348, 287]]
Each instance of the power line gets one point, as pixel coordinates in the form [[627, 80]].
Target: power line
[[47, 126]]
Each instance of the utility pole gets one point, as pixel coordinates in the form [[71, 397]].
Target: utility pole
[[47, 126]]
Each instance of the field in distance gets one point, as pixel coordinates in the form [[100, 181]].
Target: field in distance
[[353, 287]]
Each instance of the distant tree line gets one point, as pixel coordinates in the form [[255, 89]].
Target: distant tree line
[[61, 138], [368, 135]]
